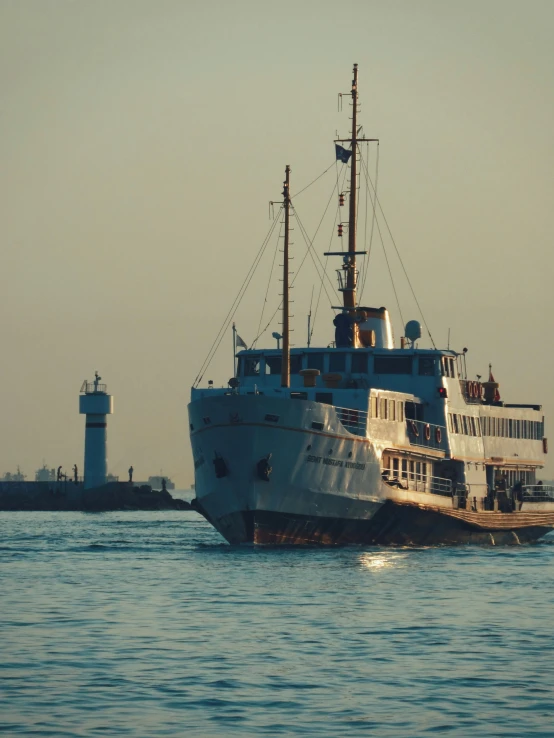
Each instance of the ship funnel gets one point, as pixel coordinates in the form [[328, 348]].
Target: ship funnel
[[374, 328]]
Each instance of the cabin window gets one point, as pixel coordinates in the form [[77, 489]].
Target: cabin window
[[448, 367], [395, 467], [411, 472], [404, 468], [337, 362], [510, 429], [450, 424], [295, 363], [418, 471], [400, 411], [273, 364], [426, 366], [250, 365], [455, 423], [383, 408], [414, 411], [315, 361], [465, 425], [359, 363], [386, 462], [272, 418], [325, 397], [393, 365], [392, 410], [374, 413], [317, 426], [472, 427]]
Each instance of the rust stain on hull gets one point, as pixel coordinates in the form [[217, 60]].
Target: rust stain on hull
[[391, 523]]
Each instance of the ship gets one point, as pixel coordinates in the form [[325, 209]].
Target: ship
[[363, 441], [16, 476], [44, 474]]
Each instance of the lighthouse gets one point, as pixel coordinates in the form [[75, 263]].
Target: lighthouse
[[96, 404]]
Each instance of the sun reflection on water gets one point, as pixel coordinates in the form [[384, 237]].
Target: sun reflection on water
[[380, 560]]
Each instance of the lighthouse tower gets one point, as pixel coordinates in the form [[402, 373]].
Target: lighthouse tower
[[95, 403]]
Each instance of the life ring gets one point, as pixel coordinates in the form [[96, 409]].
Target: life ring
[[413, 428], [427, 432], [438, 435]]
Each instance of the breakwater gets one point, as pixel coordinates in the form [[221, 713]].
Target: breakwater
[[69, 495]]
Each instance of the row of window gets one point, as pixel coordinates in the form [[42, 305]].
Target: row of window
[[382, 407], [448, 366], [355, 362], [512, 476], [396, 468], [465, 425], [468, 425], [509, 428]]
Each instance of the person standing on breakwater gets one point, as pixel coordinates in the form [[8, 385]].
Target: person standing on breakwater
[[131, 470]]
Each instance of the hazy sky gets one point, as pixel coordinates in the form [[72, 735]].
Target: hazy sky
[[142, 140]]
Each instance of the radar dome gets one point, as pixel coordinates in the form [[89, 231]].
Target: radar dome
[[413, 330]]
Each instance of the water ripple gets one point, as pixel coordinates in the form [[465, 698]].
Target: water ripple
[[146, 624]]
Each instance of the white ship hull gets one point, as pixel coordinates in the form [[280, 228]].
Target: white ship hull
[[322, 487]]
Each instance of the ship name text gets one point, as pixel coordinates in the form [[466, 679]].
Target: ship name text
[[311, 459]]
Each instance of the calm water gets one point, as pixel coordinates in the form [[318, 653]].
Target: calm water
[[147, 624]]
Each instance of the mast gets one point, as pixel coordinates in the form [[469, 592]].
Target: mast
[[285, 362], [349, 295]]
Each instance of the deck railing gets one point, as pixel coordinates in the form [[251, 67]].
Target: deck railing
[[354, 421], [427, 435], [420, 483], [537, 492]]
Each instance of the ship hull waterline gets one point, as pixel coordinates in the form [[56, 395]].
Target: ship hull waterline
[[395, 524]]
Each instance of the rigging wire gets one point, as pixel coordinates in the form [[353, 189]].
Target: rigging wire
[[343, 171], [374, 203], [313, 181], [389, 268], [269, 280], [312, 251], [309, 250], [378, 201], [236, 302]]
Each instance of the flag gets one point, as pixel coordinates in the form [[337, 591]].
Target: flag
[[240, 342], [342, 154]]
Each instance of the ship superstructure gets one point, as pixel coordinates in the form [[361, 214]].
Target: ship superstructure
[[362, 441]]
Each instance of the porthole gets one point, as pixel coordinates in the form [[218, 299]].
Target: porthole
[[308, 447], [350, 454]]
